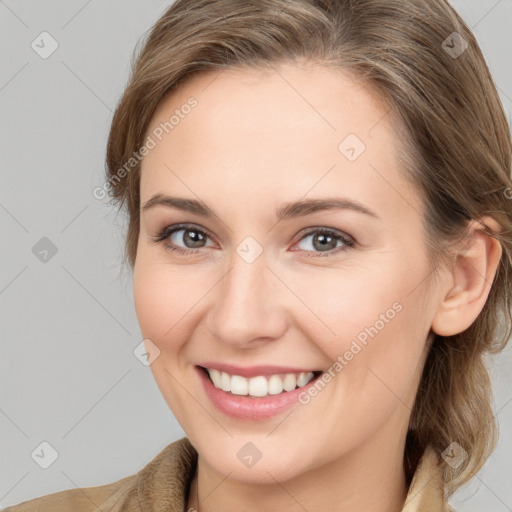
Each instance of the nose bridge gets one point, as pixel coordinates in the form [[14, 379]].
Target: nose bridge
[[245, 306]]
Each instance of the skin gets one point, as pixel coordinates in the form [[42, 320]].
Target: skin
[[257, 139]]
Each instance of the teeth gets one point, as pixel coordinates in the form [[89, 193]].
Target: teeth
[[258, 386]]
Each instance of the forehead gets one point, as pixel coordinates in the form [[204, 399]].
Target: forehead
[[275, 100], [283, 130]]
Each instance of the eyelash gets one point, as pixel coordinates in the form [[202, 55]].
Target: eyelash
[[167, 231]]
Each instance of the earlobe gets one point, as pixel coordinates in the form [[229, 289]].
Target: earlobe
[[471, 277]]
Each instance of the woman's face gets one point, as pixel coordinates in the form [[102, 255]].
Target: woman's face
[[339, 289]]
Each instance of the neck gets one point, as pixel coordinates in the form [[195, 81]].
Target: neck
[[370, 477]]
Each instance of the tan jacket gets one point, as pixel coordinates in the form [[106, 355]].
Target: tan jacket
[[162, 486]]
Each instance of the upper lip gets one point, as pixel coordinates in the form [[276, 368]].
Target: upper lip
[[254, 371]]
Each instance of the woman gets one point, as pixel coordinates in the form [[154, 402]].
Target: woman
[[320, 234]]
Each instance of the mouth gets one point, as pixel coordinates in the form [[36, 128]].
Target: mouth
[[259, 386]]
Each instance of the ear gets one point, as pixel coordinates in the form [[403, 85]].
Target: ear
[[469, 280]]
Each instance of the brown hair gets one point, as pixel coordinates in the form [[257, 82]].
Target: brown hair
[[457, 151]]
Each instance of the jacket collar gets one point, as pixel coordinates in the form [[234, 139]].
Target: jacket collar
[[157, 491], [426, 491]]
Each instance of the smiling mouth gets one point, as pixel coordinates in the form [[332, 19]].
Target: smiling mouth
[[261, 385]]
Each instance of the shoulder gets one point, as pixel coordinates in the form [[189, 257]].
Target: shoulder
[[85, 499], [161, 482]]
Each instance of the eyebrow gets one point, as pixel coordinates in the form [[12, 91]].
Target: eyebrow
[[286, 211]]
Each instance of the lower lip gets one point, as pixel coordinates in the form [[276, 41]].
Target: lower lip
[[251, 408]]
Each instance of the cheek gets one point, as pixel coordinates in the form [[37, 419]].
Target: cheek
[[169, 301], [357, 303], [159, 300], [374, 323]]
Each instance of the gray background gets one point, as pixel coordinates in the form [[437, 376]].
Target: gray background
[[68, 374]]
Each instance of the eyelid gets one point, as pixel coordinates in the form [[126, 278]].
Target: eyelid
[[347, 240], [167, 231], [323, 229]]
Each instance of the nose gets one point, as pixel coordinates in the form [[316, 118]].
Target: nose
[[246, 308]]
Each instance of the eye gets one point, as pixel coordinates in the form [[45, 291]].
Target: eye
[[188, 235], [326, 241], [322, 241]]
